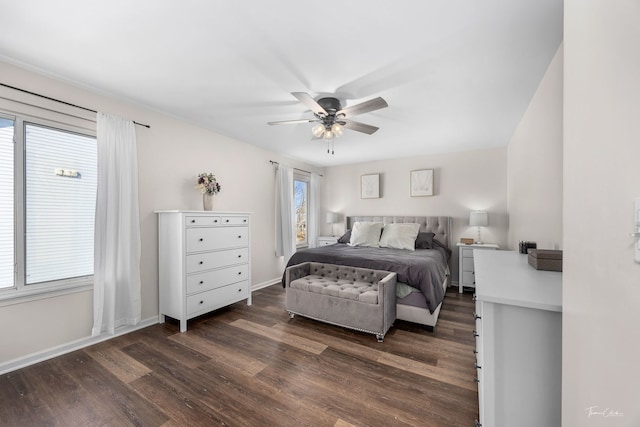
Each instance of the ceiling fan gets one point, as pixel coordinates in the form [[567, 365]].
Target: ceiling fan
[[331, 117]]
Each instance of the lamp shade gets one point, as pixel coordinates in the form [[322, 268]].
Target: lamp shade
[[479, 219], [318, 130], [332, 217]]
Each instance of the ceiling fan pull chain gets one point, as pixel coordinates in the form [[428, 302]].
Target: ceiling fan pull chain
[[333, 145]]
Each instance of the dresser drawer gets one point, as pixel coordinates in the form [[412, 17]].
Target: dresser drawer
[[467, 252], [207, 239], [199, 221], [217, 278], [216, 298], [209, 260], [467, 264], [234, 220], [468, 278]]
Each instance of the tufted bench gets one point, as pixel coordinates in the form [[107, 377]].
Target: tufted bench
[[356, 298]]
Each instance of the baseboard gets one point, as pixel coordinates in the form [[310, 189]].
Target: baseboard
[[257, 286], [41, 356], [50, 353]]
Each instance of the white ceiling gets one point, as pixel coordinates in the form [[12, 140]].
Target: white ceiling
[[457, 74]]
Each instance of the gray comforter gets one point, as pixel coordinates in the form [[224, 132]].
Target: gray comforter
[[423, 269]]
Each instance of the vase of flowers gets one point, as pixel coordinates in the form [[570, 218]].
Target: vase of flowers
[[208, 186]]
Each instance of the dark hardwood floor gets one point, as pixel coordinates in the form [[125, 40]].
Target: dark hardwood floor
[[253, 366]]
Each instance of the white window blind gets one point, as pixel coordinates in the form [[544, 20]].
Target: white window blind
[[60, 174], [7, 240]]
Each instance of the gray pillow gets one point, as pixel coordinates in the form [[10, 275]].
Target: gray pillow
[[424, 240], [346, 237]]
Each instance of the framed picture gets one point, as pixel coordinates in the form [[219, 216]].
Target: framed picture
[[370, 186], [422, 183]]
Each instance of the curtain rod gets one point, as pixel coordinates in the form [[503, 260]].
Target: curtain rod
[[273, 162], [61, 102]]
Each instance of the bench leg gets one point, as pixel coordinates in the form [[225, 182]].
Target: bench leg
[[291, 315], [380, 337]]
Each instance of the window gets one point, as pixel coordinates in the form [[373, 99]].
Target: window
[[48, 184], [7, 250], [301, 201]]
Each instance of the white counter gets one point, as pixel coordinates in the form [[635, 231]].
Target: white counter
[[507, 278]]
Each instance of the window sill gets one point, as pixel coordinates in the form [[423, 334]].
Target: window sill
[[13, 296]]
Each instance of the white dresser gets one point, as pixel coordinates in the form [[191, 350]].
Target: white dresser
[[518, 341], [467, 271], [204, 262]]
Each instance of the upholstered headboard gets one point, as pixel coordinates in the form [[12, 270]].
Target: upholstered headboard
[[438, 225]]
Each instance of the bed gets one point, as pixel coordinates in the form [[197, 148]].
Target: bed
[[423, 274]]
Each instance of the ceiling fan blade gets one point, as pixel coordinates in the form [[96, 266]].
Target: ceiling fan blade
[[311, 103], [359, 127], [293, 122], [363, 107]]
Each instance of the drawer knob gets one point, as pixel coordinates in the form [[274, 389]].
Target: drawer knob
[[240, 290], [475, 334], [201, 302], [239, 256], [239, 236], [478, 367], [476, 316], [201, 239], [239, 273], [227, 221], [201, 282], [193, 221], [244, 220], [201, 262], [215, 220]]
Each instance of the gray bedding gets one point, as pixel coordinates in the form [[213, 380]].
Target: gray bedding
[[423, 269]]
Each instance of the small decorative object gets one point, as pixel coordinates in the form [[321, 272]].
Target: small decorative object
[[370, 186], [422, 183], [208, 186], [466, 241], [524, 247], [545, 259]]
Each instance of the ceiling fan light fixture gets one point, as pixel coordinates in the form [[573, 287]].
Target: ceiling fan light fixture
[[331, 118], [318, 130], [328, 135]]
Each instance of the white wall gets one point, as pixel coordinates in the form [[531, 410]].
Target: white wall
[[464, 181], [535, 166], [171, 153], [601, 283]]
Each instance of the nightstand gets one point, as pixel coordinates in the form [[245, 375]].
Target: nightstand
[[467, 272], [327, 240]]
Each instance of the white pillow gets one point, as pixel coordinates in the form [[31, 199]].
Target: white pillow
[[366, 234], [400, 236]]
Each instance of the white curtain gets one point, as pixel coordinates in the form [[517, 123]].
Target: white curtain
[[313, 215], [285, 212], [116, 288]]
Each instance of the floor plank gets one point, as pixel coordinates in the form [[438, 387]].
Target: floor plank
[[253, 366]]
